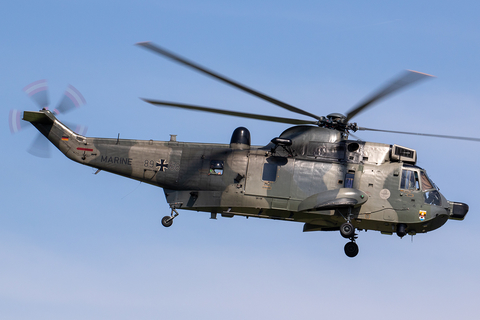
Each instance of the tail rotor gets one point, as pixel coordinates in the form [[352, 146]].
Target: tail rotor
[[38, 92]]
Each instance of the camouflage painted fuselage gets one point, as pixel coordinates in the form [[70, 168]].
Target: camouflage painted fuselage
[[320, 180]]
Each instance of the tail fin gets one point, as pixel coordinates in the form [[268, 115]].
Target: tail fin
[[46, 122], [59, 134]]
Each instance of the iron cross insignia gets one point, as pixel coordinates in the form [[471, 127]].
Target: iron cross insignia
[[162, 165]]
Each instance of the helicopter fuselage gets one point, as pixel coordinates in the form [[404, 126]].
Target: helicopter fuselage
[[309, 174]]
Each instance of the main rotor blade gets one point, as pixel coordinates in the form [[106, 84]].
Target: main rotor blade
[[422, 134], [181, 60], [407, 78], [230, 113]]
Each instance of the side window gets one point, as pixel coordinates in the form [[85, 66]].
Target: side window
[[409, 180], [349, 180], [216, 168], [269, 172]]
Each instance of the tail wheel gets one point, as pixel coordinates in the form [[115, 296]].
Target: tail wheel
[[167, 221]]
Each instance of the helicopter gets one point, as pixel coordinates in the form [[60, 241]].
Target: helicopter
[[311, 173]]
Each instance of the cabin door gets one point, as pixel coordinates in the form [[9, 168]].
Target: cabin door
[[269, 176]]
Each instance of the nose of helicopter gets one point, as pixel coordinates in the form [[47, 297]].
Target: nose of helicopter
[[458, 210]]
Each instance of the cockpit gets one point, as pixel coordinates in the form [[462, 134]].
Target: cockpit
[[414, 178]]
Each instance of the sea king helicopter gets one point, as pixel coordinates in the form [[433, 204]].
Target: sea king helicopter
[[311, 173]]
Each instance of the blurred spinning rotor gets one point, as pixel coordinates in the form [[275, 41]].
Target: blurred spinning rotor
[[38, 92]]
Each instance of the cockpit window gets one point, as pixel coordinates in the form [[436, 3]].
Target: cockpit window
[[432, 196], [409, 180], [426, 183]]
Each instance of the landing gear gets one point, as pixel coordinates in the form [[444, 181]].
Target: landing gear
[[168, 221], [347, 230], [351, 249]]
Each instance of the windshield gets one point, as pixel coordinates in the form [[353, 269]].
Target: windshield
[[409, 180], [432, 196], [416, 179], [427, 184]]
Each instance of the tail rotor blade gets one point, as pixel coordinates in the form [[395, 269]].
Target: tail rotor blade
[[15, 121], [37, 91], [72, 99], [40, 147], [77, 128], [80, 129]]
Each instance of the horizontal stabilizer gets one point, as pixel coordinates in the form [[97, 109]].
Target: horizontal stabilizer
[[38, 117]]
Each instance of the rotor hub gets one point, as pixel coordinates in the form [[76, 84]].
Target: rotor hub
[[336, 117], [337, 121]]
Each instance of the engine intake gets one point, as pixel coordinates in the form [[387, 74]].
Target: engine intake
[[240, 139]]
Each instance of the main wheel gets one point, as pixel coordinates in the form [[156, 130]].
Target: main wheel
[[167, 221], [351, 249], [347, 230]]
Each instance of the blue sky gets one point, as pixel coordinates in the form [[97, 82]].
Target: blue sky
[[74, 245]]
